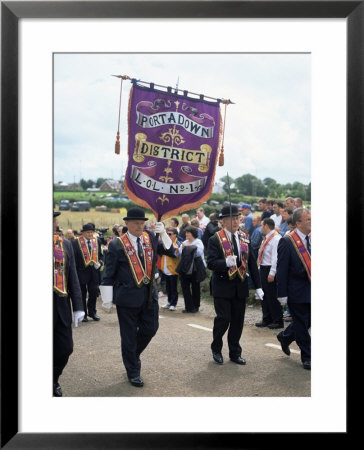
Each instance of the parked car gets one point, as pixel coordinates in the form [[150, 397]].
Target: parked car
[[64, 205], [81, 206]]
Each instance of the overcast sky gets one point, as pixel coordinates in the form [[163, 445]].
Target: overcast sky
[[267, 130]]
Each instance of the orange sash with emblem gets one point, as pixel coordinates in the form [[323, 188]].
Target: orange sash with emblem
[[302, 252], [141, 275], [227, 249], [263, 246], [87, 258], [59, 267]]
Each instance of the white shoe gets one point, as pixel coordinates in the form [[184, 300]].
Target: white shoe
[[172, 308], [166, 306]]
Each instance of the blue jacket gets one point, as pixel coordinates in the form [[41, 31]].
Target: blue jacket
[[291, 276]]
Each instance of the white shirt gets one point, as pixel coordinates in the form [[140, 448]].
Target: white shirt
[[134, 240], [270, 254], [277, 219], [203, 222], [302, 236]]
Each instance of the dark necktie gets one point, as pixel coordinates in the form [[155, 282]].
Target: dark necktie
[[140, 252], [308, 244], [89, 246], [236, 251]]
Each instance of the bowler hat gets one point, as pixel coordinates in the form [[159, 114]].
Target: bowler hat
[[56, 213], [135, 214], [225, 211], [88, 227]]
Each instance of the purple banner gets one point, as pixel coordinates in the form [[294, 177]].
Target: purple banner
[[173, 148]]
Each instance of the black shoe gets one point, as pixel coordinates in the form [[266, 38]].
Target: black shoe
[[275, 325], [261, 324], [238, 360], [189, 310], [307, 365], [57, 391], [94, 316], [285, 347], [85, 319], [218, 358], [136, 381]]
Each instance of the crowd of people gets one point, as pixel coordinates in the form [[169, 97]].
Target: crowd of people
[[268, 251]]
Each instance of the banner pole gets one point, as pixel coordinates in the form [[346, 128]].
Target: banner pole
[[126, 77], [231, 217]]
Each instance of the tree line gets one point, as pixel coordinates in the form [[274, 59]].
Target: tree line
[[250, 185]]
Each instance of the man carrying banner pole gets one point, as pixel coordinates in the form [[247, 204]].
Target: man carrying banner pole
[[229, 257], [127, 282]]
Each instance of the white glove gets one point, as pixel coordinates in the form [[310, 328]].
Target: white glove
[[282, 300], [260, 293], [97, 266], [107, 307], [78, 316], [167, 241], [106, 293], [231, 260], [106, 296], [159, 227]]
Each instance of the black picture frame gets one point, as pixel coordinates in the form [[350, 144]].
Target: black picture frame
[[11, 12]]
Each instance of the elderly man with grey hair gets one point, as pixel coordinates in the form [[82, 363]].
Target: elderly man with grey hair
[[182, 228], [294, 284]]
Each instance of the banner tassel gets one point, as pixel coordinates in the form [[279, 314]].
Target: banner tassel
[[117, 143], [221, 156]]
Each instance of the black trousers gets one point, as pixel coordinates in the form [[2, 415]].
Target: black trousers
[[272, 309], [191, 291], [171, 285], [62, 347], [297, 330], [92, 287], [230, 313], [137, 327]]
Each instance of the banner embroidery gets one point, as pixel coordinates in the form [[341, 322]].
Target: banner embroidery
[[173, 146]]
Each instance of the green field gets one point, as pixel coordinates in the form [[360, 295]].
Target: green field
[[76, 219]]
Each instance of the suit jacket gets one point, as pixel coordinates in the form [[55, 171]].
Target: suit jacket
[[86, 274], [221, 286], [62, 305], [118, 274], [291, 276], [210, 230]]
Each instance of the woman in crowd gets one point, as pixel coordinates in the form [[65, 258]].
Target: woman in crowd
[[192, 248], [284, 227]]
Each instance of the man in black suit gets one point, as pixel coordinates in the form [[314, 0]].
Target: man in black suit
[[65, 287], [129, 270], [229, 257], [89, 259], [294, 284]]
